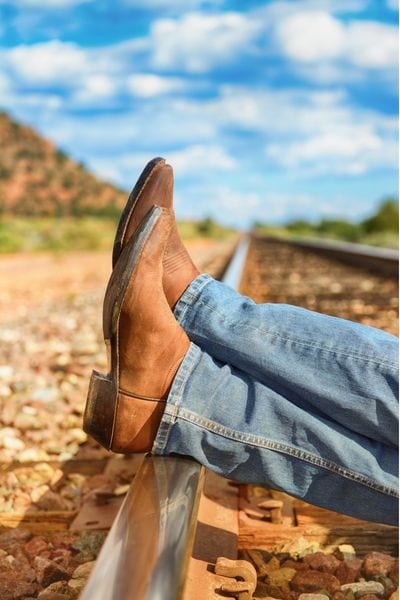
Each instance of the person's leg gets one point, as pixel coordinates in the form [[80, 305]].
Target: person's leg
[[337, 369], [254, 433]]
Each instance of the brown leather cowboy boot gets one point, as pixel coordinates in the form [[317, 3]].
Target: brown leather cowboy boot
[[157, 188], [145, 344]]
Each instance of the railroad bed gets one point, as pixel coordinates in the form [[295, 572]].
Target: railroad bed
[[58, 512]]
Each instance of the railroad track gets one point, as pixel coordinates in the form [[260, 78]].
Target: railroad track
[[143, 557], [173, 486]]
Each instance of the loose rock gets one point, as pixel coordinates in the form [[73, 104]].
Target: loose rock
[[377, 563], [363, 588], [319, 561], [348, 571], [315, 581], [48, 571]]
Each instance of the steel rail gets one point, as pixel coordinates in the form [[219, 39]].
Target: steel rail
[[379, 260], [147, 550]]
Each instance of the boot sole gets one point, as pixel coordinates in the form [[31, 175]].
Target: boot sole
[[102, 399], [130, 205]]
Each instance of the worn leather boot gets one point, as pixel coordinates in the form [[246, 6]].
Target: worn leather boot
[[156, 186], [145, 344]]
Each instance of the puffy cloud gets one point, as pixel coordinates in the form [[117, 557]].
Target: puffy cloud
[[350, 150], [311, 36], [372, 45], [95, 88], [197, 158], [318, 37], [46, 63], [147, 85], [197, 42]]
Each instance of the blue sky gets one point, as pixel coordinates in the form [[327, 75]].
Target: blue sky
[[266, 110]]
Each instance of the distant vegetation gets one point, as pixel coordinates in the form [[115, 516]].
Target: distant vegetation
[[381, 229], [50, 202], [85, 233], [38, 179]]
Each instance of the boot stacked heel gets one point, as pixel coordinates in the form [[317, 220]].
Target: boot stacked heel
[[100, 408]]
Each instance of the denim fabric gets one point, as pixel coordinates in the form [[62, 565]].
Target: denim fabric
[[288, 398]]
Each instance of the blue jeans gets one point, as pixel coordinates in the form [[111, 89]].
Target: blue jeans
[[287, 398]]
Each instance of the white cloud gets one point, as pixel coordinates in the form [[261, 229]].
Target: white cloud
[[147, 85], [316, 37], [196, 158], [94, 88], [48, 62], [372, 45], [198, 42], [351, 150], [311, 36]]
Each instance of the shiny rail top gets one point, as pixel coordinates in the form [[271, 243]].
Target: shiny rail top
[[146, 552]]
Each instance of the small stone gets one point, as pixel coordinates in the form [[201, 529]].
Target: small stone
[[32, 455], [315, 581], [294, 564], [38, 492], [272, 565], [52, 501], [6, 373], [21, 502], [88, 545], [24, 422], [300, 547], [48, 571], [15, 583], [377, 563], [313, 597], [348, 571], [58, 590], [36, 547], [76, 585], [387, 583], [281, 577], [12, 443], [13, 538], [319, 561], [46, 395], [361, 588], [78, 435], [83, 571]]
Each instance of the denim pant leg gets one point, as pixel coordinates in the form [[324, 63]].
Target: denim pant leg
[[341, 370], [249, 432]]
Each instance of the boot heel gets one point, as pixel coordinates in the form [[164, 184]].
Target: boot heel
[[98, 420]]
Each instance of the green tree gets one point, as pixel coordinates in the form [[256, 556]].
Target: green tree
[[339, 228], [386, 218]]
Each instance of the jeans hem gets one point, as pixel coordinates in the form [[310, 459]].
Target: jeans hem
[[174, 399], [190, 296]]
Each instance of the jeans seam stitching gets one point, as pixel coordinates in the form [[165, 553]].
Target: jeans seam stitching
[[299, 341], [284, 449]]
